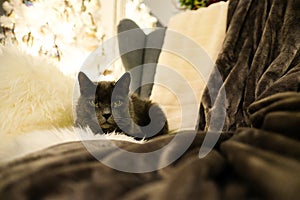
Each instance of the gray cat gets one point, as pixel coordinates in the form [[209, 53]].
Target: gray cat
[[107, 106]]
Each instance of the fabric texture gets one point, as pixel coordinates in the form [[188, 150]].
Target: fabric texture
[[260, 57], [279, 112], [253, 164], [17, 146], [34, 93], [198, 36]]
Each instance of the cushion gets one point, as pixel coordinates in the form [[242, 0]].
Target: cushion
[[206, 27], [139, 53]]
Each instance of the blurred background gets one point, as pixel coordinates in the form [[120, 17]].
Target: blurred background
[[67, 31]]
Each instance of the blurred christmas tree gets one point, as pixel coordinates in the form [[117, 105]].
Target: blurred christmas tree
[[195, 4], [64, 30]]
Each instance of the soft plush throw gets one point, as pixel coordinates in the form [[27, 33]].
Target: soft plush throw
[[34, 93], [260, 57]]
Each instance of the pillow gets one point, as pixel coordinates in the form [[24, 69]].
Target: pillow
[[154, 42], [131, 41], [141, 50], [206, 28]]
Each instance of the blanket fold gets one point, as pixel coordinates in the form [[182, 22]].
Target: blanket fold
[[279, 113], [252, 164]]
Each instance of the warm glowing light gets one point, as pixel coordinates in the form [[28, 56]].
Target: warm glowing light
[[140, 13], [65, 31]]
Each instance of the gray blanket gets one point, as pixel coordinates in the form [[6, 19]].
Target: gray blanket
[[256, 157], [260, 57]]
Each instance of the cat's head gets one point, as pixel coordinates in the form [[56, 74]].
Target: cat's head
[[101, 98]]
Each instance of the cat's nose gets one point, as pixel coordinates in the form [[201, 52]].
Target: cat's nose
[[106, 116]]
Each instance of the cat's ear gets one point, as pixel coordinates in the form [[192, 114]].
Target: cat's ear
[[124, 82], [85, 84]]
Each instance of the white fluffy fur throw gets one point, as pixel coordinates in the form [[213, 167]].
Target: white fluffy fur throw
[[16, 146], [34, 94]]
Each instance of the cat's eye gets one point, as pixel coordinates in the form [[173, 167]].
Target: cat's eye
[[117, 103], [92, 103]]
